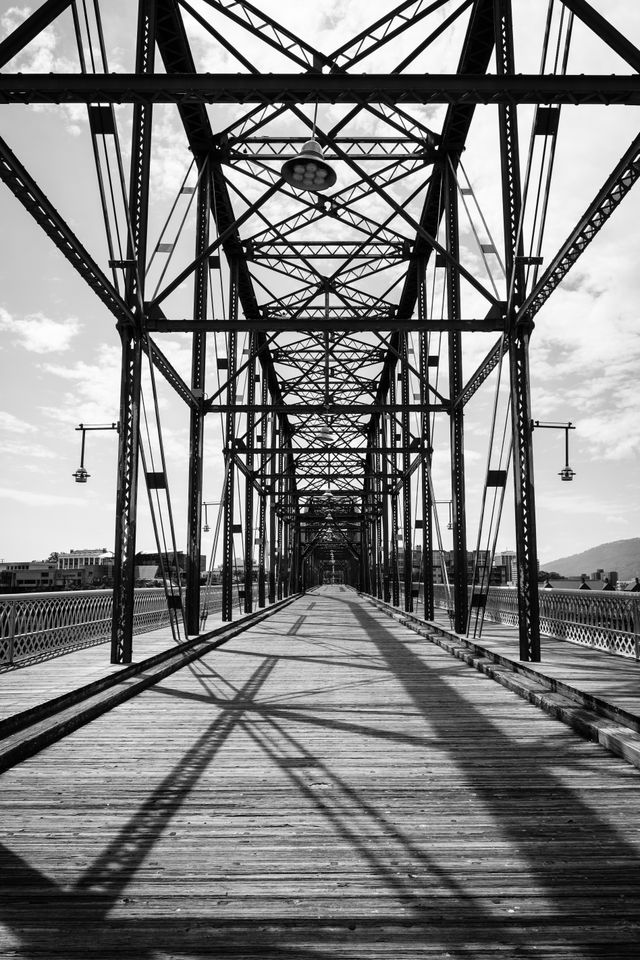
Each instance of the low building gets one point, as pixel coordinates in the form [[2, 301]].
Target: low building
[[84, 569], [27, 576], [149, 567]]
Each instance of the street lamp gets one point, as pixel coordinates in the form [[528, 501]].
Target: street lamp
[[208, 503], [309, 170], [566, 473], [450, 502], [81, 475]]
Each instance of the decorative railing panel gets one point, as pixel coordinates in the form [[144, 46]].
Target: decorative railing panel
[[603, 619], [39, 624]]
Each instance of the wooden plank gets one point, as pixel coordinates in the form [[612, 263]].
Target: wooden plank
[[329, 784]]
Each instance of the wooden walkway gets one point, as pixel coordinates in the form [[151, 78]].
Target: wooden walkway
[[327, 784]]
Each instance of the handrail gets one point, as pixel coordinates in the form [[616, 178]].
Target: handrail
[[602, 619], [41, 624]]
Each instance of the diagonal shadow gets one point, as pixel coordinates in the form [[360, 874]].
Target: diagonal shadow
[[442, 706], [442, 926], [377, 851], [111, 871]]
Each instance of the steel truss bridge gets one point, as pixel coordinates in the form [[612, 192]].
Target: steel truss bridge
[[324, 309]]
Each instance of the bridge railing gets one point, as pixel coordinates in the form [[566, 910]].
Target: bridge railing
[[603, 619], [38, 624]]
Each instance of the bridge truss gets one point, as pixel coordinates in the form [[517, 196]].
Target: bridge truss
[[333, 358]]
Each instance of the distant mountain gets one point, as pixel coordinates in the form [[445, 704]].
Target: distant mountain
[[620, 555]]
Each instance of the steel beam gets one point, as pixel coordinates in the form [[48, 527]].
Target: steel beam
[[29, 29], [605, 31], [425, 467], [196, 424], [613, 191], [131, 337], [229, 438], [332, 409], [274, 492], [314, 325], [248, 499], [525, 515], [288, 88], [393, 498], [407, 519], [456, 422], [262, 503]]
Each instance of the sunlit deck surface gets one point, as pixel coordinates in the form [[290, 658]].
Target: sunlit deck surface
[[327, 784]]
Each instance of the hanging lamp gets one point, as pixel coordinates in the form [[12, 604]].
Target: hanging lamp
[[309, 170]]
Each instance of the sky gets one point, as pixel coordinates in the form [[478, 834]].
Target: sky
[[60, 352]]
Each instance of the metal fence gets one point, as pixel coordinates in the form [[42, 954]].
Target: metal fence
[[40, 624], [602, 619]]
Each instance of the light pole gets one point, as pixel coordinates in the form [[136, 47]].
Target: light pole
[[81, 475], [208, 503], [566, 473]]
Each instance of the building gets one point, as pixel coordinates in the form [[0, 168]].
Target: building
[[28, 576], [84, 569], [149, 566]]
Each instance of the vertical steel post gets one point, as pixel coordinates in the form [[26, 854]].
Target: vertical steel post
[[370, 517], [386, 499], [295, 573], [393, 426], [425, 444], [273, 499], [230, 448], [281, 481], [378, 508], [456, 417], [365, 585], [525, 513], [406, 463], [130, 376], [262, 503], [248, 502], [285, 551], [196, 425]]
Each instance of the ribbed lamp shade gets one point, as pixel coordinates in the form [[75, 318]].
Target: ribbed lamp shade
[[309, 170]]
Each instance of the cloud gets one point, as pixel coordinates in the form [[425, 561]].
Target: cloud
[[40, 55], [37, 499], [39, 334], [12, 424], [96, 385], [24, 452]]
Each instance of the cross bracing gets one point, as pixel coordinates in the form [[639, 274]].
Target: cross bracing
[[327, 329]]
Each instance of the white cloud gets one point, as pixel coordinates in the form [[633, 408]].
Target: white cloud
[[12, 424], [40, 334], [38, 499], [25, 452], [41, 54], [94, 397]]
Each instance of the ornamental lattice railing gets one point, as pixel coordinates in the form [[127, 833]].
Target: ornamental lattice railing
[[602, 619], [40, 624]]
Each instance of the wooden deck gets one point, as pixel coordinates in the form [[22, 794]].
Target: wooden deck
[[328, 784]]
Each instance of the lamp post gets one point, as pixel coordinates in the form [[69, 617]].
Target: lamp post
[[450, 521], [566, 473], [208, 503], [81, 475]]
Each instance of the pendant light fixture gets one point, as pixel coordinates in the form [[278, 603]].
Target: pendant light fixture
[[309, 170]]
